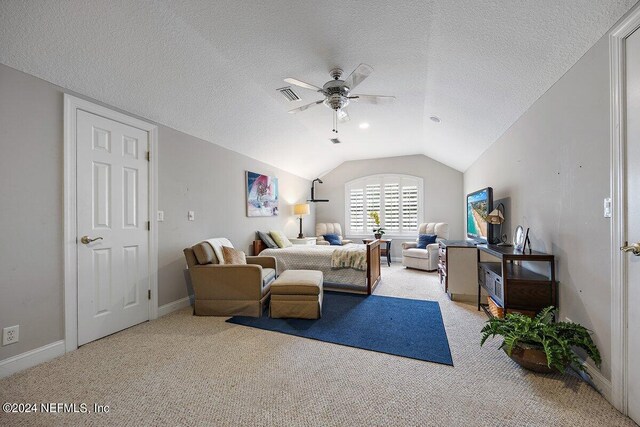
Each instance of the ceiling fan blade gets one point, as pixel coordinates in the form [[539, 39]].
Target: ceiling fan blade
[[304, 107], [343, 115], [302, 84], [373, 99], [361, 72]]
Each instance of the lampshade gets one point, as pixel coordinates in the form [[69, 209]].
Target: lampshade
[[301, 209], [495, 217]]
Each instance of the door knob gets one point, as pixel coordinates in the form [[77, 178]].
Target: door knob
[[86, 240], [634, 249]]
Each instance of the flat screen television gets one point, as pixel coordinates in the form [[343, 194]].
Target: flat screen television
[[479, 204]]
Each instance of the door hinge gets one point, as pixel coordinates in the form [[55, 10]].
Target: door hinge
[[148, 156], [149, 294], [148, 225]]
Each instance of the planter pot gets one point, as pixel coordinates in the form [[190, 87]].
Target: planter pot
[[531, 357], [377, 236]]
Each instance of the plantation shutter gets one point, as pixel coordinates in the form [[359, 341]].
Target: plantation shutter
[[396, 198], [392, 207], [373, 203], [410, 208], [356, 210]]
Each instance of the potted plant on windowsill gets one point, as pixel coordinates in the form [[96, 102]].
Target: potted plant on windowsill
[[378, 232], [540, 344]]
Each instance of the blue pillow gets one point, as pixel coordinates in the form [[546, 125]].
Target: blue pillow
[[425, 239], [333, 239]]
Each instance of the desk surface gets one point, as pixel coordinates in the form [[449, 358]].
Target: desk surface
[[511, 252], [458, 243]]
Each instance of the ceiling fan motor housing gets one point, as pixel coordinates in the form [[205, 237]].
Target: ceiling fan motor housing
[[336, 94]]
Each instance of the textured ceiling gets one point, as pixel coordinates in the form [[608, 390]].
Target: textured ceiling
[[210, 69]]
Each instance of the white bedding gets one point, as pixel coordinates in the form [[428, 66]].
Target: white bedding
[[317, 257]]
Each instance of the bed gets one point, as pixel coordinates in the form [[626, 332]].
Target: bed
[[318, 257]]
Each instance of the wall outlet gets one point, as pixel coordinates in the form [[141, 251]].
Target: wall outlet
[[160, 216], [10, 335], [191, 215]]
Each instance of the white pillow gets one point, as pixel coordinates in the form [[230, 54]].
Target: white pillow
[[217, 245]]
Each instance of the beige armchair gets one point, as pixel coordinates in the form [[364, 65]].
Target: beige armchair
[[425, 259], [323, 228], [228, 290]]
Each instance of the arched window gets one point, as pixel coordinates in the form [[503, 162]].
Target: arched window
[[396, 198]]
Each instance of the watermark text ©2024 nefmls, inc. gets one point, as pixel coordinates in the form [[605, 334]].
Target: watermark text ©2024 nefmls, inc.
[[54, 408]]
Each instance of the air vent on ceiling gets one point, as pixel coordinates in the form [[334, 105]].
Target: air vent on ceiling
[[288, 93], [335, 140]]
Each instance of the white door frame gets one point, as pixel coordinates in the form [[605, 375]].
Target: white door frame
[[71, 105], [619, 291]]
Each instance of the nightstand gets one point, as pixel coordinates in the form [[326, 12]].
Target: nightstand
[[303, 241], [385, 248]]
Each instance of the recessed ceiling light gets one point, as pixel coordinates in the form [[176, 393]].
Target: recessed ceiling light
[[435, 119], [364, 125]]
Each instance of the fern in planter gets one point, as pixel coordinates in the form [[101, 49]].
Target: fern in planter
[[557, 340]]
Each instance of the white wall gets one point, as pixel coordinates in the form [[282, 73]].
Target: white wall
[[553, 165], [210, 180], [443, 198], [193, 175], [31, 214]]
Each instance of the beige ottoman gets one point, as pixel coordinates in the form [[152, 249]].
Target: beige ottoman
[[297, 294]]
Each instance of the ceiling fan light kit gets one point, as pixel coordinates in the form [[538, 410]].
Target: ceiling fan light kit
[[337, 93]]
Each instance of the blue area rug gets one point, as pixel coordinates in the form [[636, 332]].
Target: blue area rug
[[399, 326]]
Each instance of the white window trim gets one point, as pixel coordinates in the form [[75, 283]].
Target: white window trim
[[381, 178]]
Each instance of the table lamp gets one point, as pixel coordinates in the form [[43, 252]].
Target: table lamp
[[496, 217], [301, 210]]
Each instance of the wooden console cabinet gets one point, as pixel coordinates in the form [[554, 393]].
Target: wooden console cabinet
[[457, 269], [513, 286]]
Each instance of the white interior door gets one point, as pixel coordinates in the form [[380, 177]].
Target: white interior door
[[112, 211], [632, 259]]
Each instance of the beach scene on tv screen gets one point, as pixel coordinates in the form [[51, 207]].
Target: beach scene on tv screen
[[477, 210]]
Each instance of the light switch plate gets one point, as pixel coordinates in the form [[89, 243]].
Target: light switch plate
[[160, 216], [191, 215], [607, 207]]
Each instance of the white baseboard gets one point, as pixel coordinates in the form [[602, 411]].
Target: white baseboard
[[173, 306], [31, 358], [598, 381]]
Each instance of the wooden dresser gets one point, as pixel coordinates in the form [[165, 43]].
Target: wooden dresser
[[457, 269]]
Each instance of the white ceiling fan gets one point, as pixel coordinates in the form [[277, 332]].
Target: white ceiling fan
[[337, 93]]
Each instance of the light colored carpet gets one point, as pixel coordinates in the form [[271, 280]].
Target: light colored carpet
[[182, 370]]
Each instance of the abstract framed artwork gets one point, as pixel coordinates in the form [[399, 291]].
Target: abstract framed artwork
[[262, 194]]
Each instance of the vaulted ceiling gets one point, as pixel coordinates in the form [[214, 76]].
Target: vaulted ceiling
[[211, 68]]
